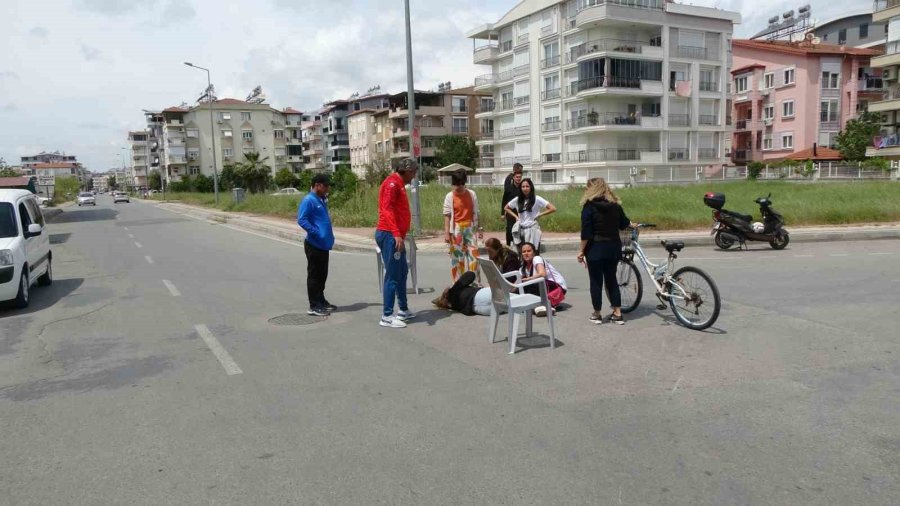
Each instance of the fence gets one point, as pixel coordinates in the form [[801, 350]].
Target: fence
[[825, 171]]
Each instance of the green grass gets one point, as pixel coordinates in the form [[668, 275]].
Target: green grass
[[671, 207]]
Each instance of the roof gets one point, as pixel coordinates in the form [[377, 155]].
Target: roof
[[822, 154], [176, 109], [747, 68], [453, 167], [15, 181], [362, 111], [291, 110], [231, 101], [56, 165], [802, 48], [855, 13]]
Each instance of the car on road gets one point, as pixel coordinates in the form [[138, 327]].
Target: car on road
[[287, 191], [43, 201], [120, 197], [25, 256], [86, 199]]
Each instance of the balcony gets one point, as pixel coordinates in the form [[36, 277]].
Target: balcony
[[891, 54], [744, 125], [484, 135], [708, 120], [710, 86], [608, 155], [459, 109], [552, 61], [680, 120], [613, 46], [402, 112], [551, 126], [890, 101], [589, 11], [888, 145], [695, 53], [596, 119], [551, 157], [487, 53], [551, 94], [708, 153], [508, 133], [522, 101], [679, 154], [592, 83], [741, 155], [884, 10], [870, 85], [522, 39]]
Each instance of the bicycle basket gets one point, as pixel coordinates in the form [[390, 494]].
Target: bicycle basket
[[626, 237]]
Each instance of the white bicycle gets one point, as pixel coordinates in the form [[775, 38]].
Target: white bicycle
[[690, 292]]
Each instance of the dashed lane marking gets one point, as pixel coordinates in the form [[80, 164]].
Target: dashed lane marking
[[228, 363], [149, 260], [138, 245], [174, 291]]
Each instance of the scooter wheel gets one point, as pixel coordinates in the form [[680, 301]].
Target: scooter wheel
[[723, 242], [781, 241]]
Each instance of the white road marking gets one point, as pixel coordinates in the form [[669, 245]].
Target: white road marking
[[676, 384], [839, 255], [138, 245], [228, 363], [126, 229], [149, 260], [131, 236], [174, 291], [873, 254], [803, 256]]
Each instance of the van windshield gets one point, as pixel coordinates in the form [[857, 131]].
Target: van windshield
[[7, 221]]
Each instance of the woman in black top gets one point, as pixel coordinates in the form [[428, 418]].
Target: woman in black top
[[602, 217]]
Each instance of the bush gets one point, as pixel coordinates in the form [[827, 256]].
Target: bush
[[754, 169], [284, 178], [877, 163], [806, 169]]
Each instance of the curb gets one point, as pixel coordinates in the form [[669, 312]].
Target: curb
[[357, 245]]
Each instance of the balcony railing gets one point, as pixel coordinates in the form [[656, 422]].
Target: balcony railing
[[552, 61], [741, 154], [601, 45], [504, 105], [707, 153], [709, 86], [485, 51], [550, 94], [608, 154], [459, 109], [826, 117], [604, 82], [460, 130], [523, 100], [679, 154], [484, 135], [871, 83], [550, 126], [744, 124], [881, 5], [511, 132], [679, 120], [487, 106], [603, 118], [696, 52], [551, 157], [506, 45], [639, 4], [708, 119]]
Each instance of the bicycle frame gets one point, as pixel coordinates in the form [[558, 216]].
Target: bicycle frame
[[656, 271]]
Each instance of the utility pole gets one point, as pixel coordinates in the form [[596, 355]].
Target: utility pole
[[212, 132], [411, 110]]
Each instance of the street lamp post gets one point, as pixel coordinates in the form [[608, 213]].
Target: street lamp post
[[212, 132], [123, 162], [411, 115]]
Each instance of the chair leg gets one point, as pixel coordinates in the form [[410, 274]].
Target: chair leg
[[495, 319], [528, 323], [552, 328], [513, 331]]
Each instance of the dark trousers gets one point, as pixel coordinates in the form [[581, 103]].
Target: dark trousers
[[316, 274], [604, 271], [509, 225]]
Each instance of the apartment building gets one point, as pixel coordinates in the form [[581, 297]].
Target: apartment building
[[293, 138], [788, 96], [370, 139], [313, 142], [854, 29], [100, 183], [588, 87], [28, 162], [335, 133], [141, 154], [887, 144]]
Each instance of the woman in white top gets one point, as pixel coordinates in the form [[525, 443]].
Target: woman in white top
[[527, 208], [534, 266]]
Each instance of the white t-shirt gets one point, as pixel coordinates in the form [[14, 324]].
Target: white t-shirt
[[527, 218], [552, 273]]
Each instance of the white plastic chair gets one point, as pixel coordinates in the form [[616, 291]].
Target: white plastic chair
[[515, 304], [411, 249]]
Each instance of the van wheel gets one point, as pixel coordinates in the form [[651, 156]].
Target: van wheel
[[47, 278], [21, 300]]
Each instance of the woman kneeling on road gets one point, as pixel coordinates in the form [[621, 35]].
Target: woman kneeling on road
[[504, 258], [534, 266], [602, 218]]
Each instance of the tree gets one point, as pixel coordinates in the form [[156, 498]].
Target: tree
[[253, 173], [8, 172], [456, 149], [201, 183], [66, 189], [226, 178], [378, 169], [111, 182], [284, 178], [155, 180], [857, 135]]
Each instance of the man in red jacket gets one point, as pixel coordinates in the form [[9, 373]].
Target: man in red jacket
[[390, 234]]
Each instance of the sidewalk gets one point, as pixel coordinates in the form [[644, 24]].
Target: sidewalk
[[362, 239]]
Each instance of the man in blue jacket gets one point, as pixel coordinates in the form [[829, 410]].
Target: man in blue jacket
[[314, 219]]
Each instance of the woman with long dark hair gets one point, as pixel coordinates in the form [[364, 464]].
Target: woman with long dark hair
[[527, 209], [602, 217], [534, 266], [504, 258]]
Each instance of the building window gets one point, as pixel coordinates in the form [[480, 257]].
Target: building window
[[825, 37], [226, 133], [741, 84], [193, 133], [279, 134], [194, 170], [228, 152], [863, 30], [787, 141], [769, 79], [193, 154], [829, 110], [460, 125], [769, 112], [831, 80], [788, 76], [787, 109], [224, 115], [767, 143], [842, 36], [247, 135], [460, 104], [245, 116]]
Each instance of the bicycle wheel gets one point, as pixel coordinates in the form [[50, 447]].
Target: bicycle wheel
[[700, 305], [631, 286]]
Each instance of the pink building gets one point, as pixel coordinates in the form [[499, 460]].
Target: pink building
[[788, 96]]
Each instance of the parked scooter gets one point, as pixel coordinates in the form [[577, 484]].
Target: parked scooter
[[730, 227]]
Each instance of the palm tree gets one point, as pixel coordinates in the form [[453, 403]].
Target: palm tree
[[254, 173]]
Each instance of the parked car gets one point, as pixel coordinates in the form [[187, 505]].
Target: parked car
[[287, 191], [25, 256], [43, 201], [86, 199], [120, 197]]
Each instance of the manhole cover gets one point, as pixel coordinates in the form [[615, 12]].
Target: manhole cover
[[295, 319]]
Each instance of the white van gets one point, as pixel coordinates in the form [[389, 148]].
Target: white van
[[25, 257]]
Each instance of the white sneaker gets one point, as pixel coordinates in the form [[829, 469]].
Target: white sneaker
[[405, 315], [394, 323]]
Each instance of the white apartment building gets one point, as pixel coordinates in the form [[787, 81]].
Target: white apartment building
[[586, 88], [887, 144], [141, 157]]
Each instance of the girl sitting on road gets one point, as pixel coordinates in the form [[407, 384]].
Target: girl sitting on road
[[534, 266]]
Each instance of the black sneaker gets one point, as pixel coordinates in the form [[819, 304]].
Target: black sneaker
[[330, 307], [317, 311], [617, 319], [596, 318]]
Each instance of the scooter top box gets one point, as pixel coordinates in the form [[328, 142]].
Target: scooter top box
[[714, 200]]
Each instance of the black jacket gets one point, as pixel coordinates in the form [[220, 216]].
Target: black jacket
[[462, 294], [510, 191], [601, 222]]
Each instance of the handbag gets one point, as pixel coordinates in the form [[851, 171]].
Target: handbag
[[556, 295]]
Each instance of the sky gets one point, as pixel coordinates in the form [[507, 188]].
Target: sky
[[75, 75]]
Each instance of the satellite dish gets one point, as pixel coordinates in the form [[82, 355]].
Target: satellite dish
[[773, 20]]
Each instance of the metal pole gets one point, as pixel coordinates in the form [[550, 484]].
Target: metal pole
[[212, 132], [411, 110]]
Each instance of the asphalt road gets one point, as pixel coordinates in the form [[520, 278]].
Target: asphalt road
[[149, 373]]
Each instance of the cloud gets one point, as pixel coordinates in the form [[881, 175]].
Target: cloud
[[10, 107], [110, 7], [8, 74], [39, 32], [90, 53]]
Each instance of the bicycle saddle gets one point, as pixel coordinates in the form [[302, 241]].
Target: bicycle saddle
[[672, 246]]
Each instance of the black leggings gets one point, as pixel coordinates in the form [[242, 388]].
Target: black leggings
[[604, 271]]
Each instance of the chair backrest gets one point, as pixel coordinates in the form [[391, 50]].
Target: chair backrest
[[500, 287]]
